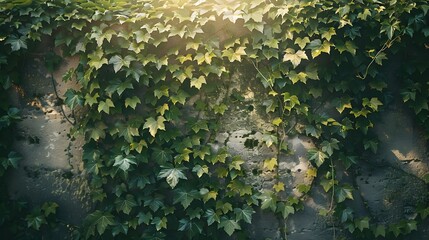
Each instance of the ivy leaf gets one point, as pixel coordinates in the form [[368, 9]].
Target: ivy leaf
[[268, 200], [277, 121], [97, 59], [343, 193], [328, 147], [294, 57], [317, 156], [200, 170], [328, 184], [185, 197], [35, 222], [270, 164], [244, 214], [198, 82], [73, 99], [347, 214], [192, 228], [91, 100], [101, 219], [212, 216], [162, 156], [172, 175], [269, 139], [229, 225], [380, 57], [302, 42], [380, 230], [13, 158], [370, 144], [374, 103], [160, 223], [362, 224], [144, 218], [317, 47], [285, 209], [180, 97], [125, 205], [154, 125], [17, 43], [49, 208], [278, 187], [234, 55], [132, 102], [124, 163], [220, 109], [105, 106]]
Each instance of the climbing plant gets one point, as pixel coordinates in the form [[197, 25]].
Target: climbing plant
[[149, 153]]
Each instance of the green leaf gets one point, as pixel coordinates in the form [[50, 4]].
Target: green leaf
[[371, 144], [229, 225], [125, 205], [317, 47], [119, 62], [162, 156], [154, 125], [124, 163], [244, 214], [160, 223], [73, 99], [302, 42], [374, 103], [185, 197], [270, 164], [180, 97], [380, 57], [212, 216], [200, 170], [35, 222], [380, 230], [328, 184], [105, 106], [328, 147], [132, 102], [13, 158], [234, 55], [269, 139], [101, 219], [91, 100], [277, 121], [172, 175], [144, 218], [343, 193], [198, 82], [97, 59], [268, 200], [49, 208], [294, 57], [285, 209], [220, 109], [362, 224], [347, 214], [317, 156], [17, 43]]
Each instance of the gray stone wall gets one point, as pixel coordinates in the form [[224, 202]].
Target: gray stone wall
[[388, 186]]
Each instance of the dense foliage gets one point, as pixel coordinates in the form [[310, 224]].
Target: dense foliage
[[152, 171]]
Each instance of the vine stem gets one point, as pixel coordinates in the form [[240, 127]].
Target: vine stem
[[386, 45], [331, 206]]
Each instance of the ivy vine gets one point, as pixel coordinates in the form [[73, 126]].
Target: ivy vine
[[153, 171]]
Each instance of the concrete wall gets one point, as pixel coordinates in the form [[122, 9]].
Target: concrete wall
[[389, 186]]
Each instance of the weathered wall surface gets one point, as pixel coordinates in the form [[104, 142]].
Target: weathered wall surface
[[51, 165], [389, 186]]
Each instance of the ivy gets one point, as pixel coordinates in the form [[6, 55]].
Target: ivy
[[143, 64]]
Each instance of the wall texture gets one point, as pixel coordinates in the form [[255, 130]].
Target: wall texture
[[389, 185]]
